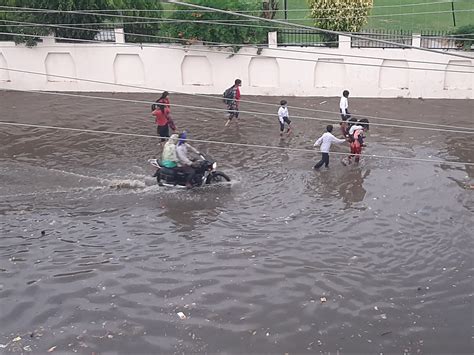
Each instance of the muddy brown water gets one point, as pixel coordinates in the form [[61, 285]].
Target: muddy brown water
[[388, 243]]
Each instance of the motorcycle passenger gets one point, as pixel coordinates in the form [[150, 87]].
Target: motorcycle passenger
[[184, 163], [169, 158]]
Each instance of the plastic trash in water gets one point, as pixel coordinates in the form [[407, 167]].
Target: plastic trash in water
[[181, 315]]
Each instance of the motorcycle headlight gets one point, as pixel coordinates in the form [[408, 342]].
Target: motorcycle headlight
[[214, 166]]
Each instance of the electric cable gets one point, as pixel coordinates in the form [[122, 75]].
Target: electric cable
[[222, 44], [186, 49], [277, 10], [316, 28], [255, 18], [445, 129], [137, 135]]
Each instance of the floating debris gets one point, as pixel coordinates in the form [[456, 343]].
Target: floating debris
[[181, 315], [323, 299]]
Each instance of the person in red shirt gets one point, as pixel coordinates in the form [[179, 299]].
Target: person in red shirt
[[163, 121], [233, 104]]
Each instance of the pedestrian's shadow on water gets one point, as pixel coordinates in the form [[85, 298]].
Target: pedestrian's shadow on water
[[351, 189], [337, 181]]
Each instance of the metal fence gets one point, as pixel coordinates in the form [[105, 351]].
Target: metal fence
[[100, 32], [306, 38], [373, 37], [106, 33], [439, 40]]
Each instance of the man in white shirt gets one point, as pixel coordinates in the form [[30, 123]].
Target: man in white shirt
[[283, 117], [344, 106], [325, 142]]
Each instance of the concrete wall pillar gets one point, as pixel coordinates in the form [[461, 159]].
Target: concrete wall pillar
[[119, 35], [344, 42], [416, 41], [49, 39], [272, 39]]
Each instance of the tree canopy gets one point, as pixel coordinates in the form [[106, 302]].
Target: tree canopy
[[227, 30], [340, 15], [89, 18]]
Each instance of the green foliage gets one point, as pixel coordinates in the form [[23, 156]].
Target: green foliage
[[93, 21], [464, 32], [340, 15], [211, 32], [148, 27]]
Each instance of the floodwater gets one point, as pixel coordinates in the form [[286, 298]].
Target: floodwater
[[367, 259]]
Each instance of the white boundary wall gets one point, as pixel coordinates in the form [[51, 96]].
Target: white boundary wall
[[198, 69]]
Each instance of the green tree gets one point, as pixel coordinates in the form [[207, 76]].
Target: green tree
[[90, 22], [340, 15], [212, 32]]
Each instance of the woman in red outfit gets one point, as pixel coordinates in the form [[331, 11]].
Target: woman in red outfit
[[163, 120]]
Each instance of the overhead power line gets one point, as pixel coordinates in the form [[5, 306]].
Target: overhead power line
[[319, 29], [260, 10], [446, 128], [232, 21], [222, 44], [168, 46], [255, 18], [59, 128]]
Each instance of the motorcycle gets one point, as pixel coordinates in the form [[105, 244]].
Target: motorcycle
[[205, 169]]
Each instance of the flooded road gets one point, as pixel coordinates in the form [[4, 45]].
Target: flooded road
[[367, 259]]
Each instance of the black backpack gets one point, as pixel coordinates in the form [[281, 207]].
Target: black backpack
[[229, 95]]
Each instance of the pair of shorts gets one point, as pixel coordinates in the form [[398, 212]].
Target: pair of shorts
[[233, 110], [282, 125], [346, 116]]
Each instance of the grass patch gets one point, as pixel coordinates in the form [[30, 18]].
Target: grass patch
[[399, 16]]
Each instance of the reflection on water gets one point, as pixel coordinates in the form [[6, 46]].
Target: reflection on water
[[351, 189], [365, 259]]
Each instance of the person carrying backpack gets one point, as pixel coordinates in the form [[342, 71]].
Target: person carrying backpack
[[232, 100]]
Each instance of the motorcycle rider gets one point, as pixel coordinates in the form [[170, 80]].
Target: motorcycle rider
[[184, 163]]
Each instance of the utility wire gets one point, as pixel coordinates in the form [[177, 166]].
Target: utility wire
[[163, 21], [89, 12], [245, 16], [222, 44], [219, 98], [59, 128], [141, 45], [445, 128], [397, 120], [316, 28], [200, 95], [104, 26], [277, 10]]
